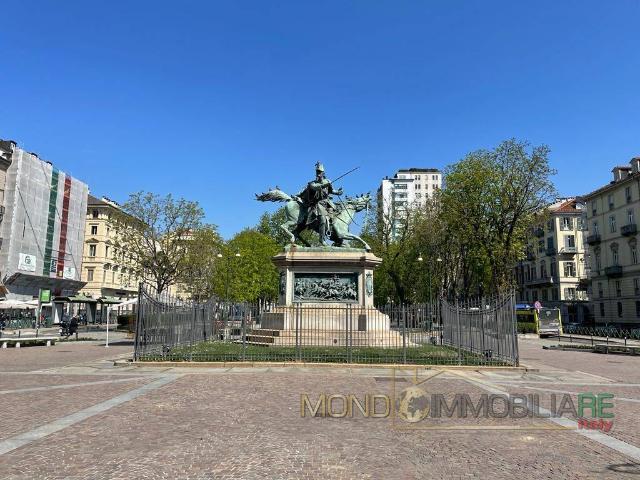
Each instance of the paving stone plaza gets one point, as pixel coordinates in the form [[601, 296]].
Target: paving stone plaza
[[70, 411]]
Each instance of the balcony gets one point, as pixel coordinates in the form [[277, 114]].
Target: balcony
[[540, 281], [538, 232], [629, 230], [613, 272], [594, 239], [583, 284], [568, 250], [551, 251]]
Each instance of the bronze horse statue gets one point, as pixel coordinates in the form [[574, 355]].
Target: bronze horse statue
[[296, 217]]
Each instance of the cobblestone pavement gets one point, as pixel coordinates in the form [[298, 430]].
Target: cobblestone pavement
[[68, 412]]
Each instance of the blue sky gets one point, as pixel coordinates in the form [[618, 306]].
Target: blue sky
[[211, 100]]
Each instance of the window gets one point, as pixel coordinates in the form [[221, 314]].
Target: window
[[612, 223], [600, 290], [94, 229], [570, 294], [627, 193], [554, 294], [637, 309], [434, 178], [90, 274], [545, 295], [551, 225], [612, 204], [549, 243], [553, 267], [104, 274], [598, 259], [543, 269], [569, 269], [630, 216], [596, 229], [566, 223], [618, 288], [602, 309], [570, 241], [92, 250], [534, 274], [620, 309], [634, 253], [540, 246], [401, 186], [614, 256], [594, 208], [106, 251], [95, 213]]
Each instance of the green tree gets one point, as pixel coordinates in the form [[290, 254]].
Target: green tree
[[152, 231], [490, 202], [200, 265], [245, 271]]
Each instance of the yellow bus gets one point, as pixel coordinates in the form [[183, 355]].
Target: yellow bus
[[547, 321]]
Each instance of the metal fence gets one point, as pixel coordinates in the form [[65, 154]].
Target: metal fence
[[438, 333], [603, 332], [485, 327]]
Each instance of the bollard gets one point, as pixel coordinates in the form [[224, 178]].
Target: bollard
[[48, 343], [17, 344], [4, 344]]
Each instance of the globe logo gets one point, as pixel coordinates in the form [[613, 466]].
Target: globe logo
[[412, 404]]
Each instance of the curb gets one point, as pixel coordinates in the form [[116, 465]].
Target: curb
[[122, 363]]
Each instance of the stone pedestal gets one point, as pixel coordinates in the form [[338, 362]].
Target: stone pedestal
[[326, 291], [326, 276]]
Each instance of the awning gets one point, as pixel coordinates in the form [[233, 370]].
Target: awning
[[36, 282], [14, 304], [110, 300], [132, 301], [75, 299]]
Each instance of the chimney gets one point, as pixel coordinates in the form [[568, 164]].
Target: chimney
[[635, 164], [620, 173]]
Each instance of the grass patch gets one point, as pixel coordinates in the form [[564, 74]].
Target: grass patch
[[230, 352]]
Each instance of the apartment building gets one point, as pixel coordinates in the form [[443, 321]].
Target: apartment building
[[41, 226], [555, 270], [611, 213], [107, 273], [410, 187]]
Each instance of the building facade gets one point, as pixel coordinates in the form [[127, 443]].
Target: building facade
[[611, 213], [42, 226], [107, 273], [408, 188], [555, 270]]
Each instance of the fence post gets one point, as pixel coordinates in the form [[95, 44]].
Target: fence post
[[514, 322], [459, 332], [349, 332], [244, 335], [298, 339], [136, 343], [404, 334]]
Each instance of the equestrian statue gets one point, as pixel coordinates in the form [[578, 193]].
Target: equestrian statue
[[314, 209]]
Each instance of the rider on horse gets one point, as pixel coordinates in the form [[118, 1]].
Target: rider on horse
[[316, 197]]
